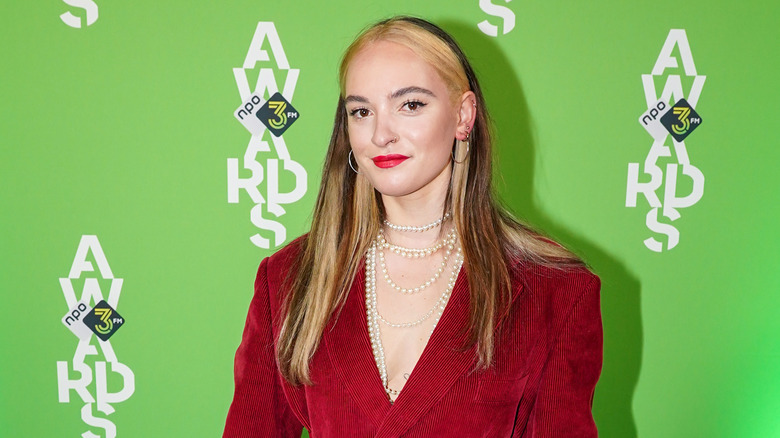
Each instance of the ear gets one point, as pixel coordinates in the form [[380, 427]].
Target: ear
[[467, 113]]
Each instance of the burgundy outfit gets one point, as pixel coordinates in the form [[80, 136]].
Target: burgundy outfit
[[541, 384]]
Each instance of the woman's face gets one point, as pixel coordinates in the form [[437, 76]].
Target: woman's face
[[402, 120]]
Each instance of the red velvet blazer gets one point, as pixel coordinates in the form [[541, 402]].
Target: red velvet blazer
[[547, 362]]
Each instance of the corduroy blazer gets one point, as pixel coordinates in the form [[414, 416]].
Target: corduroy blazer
[[548, 356]]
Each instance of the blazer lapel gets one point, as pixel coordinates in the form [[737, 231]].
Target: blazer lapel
[[441, 364], [349, 349]]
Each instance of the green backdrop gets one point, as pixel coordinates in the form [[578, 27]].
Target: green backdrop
[[123, 129]]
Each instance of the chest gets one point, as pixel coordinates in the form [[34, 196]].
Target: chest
[[405, 300], [444, 392]]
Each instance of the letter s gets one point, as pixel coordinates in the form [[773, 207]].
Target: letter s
[[504, 12], [90, 420], [666, 229], [73, 21], [256, 216]]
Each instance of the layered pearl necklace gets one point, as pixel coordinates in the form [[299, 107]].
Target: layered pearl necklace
[[373, 316], [417, 229], [449, 241]]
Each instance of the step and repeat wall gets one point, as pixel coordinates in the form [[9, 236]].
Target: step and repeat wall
[[140, 192]]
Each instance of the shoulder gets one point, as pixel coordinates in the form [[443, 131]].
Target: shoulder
[[273, 272], [557, 289], [276, 269], [288, 255], [573, 276]]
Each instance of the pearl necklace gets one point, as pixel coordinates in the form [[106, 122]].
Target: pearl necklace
[[417, 229], [412, 290], [374, 318], [414, 252]]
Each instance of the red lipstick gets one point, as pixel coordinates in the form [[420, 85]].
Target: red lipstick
[[388, 161]]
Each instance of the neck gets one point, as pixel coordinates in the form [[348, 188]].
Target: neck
[[419, 208]]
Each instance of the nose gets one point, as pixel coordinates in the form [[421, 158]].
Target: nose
[[384, 134]]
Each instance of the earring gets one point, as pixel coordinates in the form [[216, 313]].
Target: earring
[[349, 160], [467, 150]]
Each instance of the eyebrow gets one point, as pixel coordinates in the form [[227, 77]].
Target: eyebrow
[[352, 98], [394, 95], [407, 90]]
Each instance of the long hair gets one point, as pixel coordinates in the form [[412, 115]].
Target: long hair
[[348, 213]]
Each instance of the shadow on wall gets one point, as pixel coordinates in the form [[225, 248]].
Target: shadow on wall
[[620, 292]]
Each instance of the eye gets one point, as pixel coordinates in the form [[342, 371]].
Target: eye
[[359, 113], [413, 105]]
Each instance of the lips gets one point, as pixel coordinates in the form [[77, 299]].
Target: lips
[[387, 161]]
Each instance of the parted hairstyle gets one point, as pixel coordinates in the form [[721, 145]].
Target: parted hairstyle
[[349, 211]]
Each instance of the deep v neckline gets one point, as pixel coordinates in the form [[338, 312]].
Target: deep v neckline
[[376, 324], [441, 363], [433, 339]]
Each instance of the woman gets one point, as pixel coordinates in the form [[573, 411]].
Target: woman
[[416, 306]]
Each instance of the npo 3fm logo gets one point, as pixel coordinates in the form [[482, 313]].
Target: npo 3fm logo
[[89, 370], [266, 112], [671, 113]]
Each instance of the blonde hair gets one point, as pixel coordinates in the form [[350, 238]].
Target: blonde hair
[[348, 213]]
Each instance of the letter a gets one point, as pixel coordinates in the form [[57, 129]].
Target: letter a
[[666, 60], [80, 263], [265, 29]]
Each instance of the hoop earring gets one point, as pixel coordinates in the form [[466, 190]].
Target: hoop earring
[[349, 160], [467, 151]]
